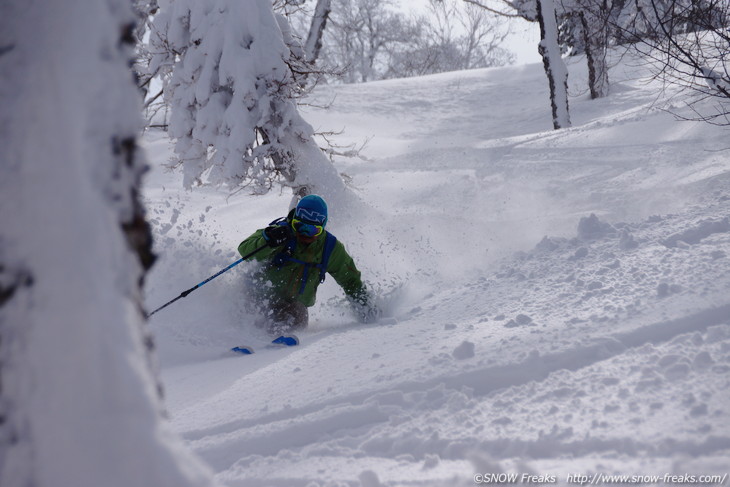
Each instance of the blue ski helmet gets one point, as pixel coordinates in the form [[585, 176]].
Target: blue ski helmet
[[312, 209]]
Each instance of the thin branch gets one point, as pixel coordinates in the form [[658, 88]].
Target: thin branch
[[494, 11], [152, 100]]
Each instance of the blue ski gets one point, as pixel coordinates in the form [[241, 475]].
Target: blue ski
[[243, 350], [278, 342], [286, 340]]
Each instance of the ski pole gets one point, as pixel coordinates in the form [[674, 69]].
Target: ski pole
[[185, 293]]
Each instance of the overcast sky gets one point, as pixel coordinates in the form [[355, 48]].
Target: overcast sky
[[523, 41]]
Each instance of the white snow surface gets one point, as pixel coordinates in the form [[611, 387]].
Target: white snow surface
[[558, 302]]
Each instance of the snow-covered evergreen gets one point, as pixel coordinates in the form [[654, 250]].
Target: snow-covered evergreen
[[231, 92]]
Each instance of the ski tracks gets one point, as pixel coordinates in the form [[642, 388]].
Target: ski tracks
[[350, 423]]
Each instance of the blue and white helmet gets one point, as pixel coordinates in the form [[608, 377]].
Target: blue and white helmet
[[312, 209]]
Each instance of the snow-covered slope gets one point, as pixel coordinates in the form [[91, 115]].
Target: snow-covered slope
[[559, 301]]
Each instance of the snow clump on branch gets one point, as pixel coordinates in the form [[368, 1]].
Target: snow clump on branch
[[225, 65]]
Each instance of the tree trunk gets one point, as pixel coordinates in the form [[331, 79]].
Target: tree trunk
[[79, 401], [596, 46], [319, 21], [555, 68]]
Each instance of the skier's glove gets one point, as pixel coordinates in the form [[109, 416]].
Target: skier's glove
[[366, 310], [370, 314], [277, 235]]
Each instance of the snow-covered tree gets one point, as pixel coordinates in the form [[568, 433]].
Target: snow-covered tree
[[555, 68], [79, 402], [585, 28], [688, 44], [545, 13], [639, 20], [230, 82], [143, 10], [313, 44]]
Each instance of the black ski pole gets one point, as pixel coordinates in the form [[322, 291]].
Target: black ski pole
[[185, 293]]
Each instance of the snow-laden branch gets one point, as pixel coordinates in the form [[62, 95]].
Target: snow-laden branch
[[231, 90]]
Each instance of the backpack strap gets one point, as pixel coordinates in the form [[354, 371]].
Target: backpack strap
[[286, 256], [329, 246], [279, 221]]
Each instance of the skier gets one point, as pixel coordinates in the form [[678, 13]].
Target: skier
[[300, 251]]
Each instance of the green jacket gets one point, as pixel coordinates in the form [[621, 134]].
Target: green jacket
[[286, 282]]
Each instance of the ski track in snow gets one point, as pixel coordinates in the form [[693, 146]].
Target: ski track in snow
[[565, 304]]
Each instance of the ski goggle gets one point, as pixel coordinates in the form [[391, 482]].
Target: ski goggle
[[306, 229]]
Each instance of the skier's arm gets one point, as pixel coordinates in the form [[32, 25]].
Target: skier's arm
[[342, 268], [252, 243]]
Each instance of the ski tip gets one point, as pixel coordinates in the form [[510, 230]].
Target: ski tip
[[286, 340], [242, 350]]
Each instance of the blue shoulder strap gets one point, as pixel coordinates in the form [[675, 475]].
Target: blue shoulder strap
[[329, 246], [279, 221]]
